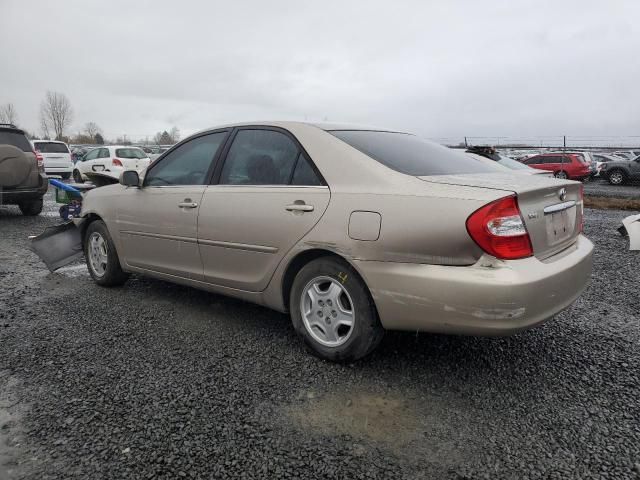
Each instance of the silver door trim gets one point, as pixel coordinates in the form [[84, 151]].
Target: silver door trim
[[160, 235], [238, 246]]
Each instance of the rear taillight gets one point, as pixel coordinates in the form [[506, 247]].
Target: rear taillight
[[116, 163], [39, 160], [499, 230]]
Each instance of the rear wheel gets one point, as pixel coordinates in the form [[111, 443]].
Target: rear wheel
[[561, 174], [616, 177], [101, 255], [77, 177], [332, 311], [31, 208], [65, 176]]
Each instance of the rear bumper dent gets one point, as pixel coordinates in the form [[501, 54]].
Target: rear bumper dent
[[501, 299]]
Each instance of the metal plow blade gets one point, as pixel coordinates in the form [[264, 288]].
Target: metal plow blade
[[58, 246]]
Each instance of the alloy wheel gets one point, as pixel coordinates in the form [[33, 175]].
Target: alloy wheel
[[98, 254], [327, 311], [616, 178]]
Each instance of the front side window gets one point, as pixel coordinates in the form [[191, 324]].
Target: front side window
[[410, 154], [188, 164], [259, 157]]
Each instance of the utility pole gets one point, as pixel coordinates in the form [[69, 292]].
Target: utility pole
[[564, 143], [465, 142]]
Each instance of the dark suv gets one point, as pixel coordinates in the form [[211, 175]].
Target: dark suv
[[22, 178], [618, 172]]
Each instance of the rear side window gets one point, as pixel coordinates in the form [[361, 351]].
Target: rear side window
[[259, 157], [130, 153], [304, 173], [51, 147], [17, 139], [410, 154]]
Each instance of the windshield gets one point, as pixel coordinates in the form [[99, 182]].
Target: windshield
[[51, 147], [410, 154], [130, 153]]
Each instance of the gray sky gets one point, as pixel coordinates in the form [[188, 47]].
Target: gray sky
[[439, 69]]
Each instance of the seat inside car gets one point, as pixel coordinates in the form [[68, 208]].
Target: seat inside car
[[261, 170]]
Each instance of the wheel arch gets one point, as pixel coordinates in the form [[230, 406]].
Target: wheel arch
[[302, 259]]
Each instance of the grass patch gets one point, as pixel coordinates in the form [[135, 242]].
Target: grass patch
[[607, 203]]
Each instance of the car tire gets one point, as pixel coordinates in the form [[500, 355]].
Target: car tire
[[101, 256], [31, 208], [77, 176], [322, 323], [65, 176], [562, 175], [616, 177]]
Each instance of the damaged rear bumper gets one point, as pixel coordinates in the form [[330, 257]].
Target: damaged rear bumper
[[501, 299]]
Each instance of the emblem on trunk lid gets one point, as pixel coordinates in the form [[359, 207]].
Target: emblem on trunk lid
[[562, 194]]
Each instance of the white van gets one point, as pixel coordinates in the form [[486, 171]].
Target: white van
[[56, 157]]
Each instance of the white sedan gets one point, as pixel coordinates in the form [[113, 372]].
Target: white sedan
[[113, 160]]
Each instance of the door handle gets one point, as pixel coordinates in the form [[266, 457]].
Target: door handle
[[186, 204], [299, 207]]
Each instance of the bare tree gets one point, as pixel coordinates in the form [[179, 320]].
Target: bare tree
[[8, 114], [55, 113], [174, 133], [91, 129]]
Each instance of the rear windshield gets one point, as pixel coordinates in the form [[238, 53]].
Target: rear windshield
[[512, 164], [51, 147], [130, 153], [410, 154], [17, 139]]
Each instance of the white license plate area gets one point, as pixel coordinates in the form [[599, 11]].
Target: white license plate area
[[559, 227]]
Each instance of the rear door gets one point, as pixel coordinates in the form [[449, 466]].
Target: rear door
[[267, 196], [157, 223]]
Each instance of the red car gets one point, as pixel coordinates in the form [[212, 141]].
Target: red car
[[567, 165]]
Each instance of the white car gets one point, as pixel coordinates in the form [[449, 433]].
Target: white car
[[113, 159], [55, 156]]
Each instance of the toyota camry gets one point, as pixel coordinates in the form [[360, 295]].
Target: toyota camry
[[351, 230]]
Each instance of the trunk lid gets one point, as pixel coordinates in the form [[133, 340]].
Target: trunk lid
[[551, 208]]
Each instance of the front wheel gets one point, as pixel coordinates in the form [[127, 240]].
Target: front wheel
[[102, 258], [562, 175], [77, 177], [333, 312]]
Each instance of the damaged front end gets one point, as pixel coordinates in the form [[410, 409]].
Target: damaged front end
[[59, 245]]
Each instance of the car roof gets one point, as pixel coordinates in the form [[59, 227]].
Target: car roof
[[48, 141], [285, 124]]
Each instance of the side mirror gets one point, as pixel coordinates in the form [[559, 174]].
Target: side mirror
[[129, 178]]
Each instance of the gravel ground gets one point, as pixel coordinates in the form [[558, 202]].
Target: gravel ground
[[601, 188], [160, 381]]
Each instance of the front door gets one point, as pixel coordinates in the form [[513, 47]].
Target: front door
[[268, 196], [157, 223]]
